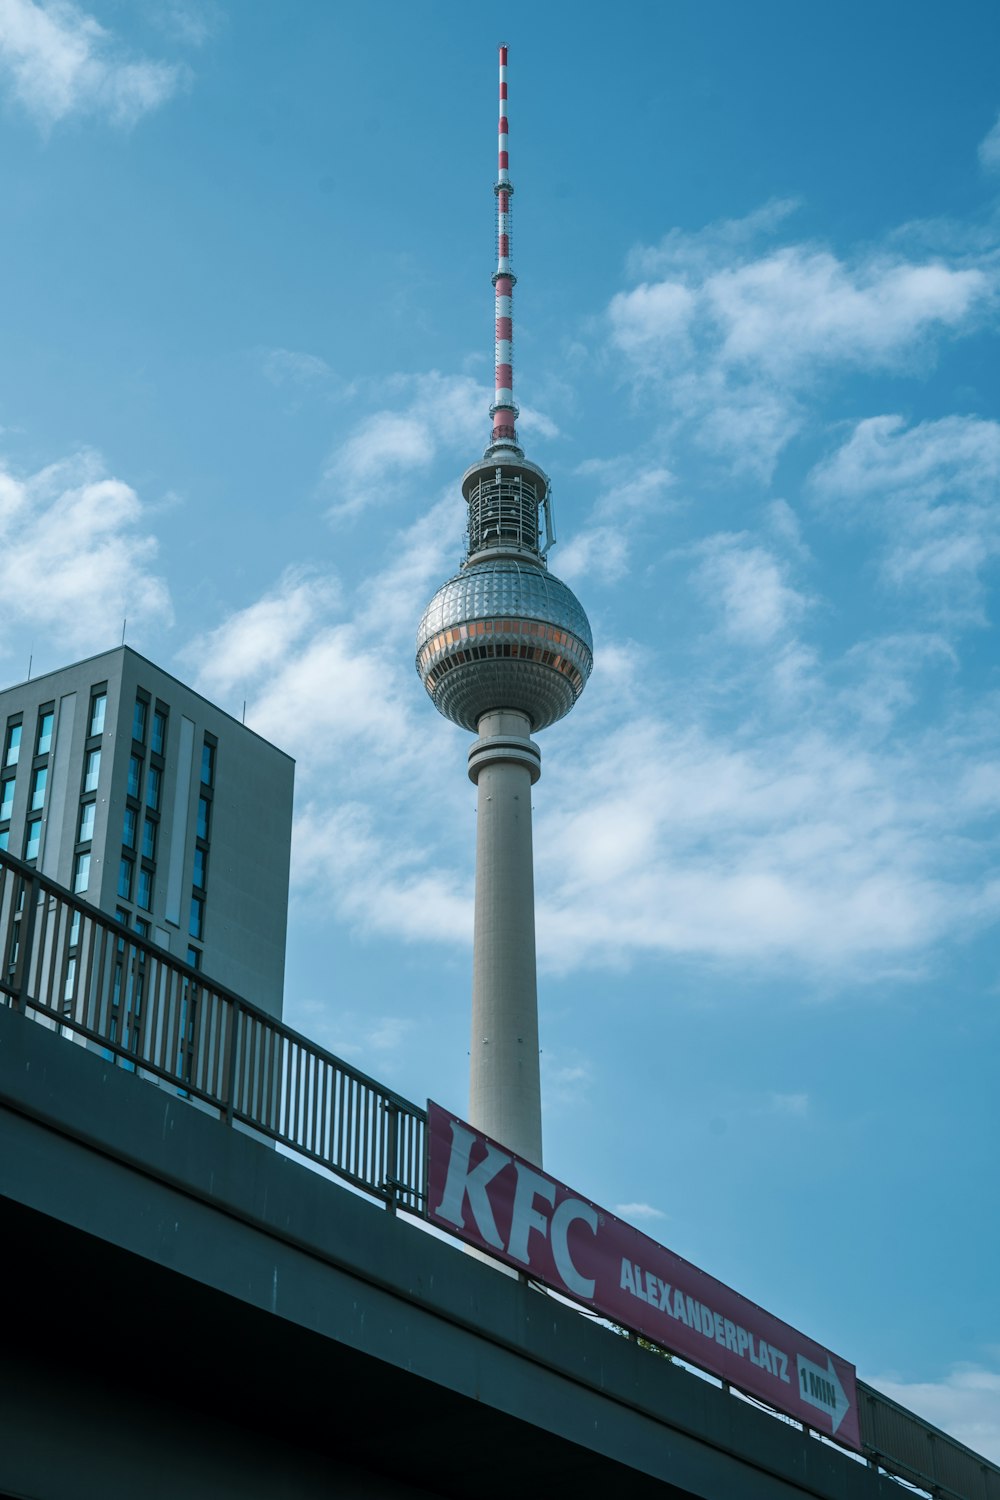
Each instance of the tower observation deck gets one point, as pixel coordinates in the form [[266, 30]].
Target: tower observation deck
[[504, 649]]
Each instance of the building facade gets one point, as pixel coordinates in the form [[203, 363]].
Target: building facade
[[143, 798]]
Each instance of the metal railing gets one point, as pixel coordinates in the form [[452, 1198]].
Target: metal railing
[[84, 973], [76, 969], [903, 1443]]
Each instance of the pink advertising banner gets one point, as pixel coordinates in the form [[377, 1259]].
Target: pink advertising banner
[[486, 1195]]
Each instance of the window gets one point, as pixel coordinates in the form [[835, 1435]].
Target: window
[[13, 745], [85, 832], [144, 891], [159, 736], [4, 838], [38, 781], [128, 828], [153, 779], [70, 984], [142, 927], [6, 799], [194, 957], [149, 838], [204, 809], [139, 721], [125, 868], [196, 922], [199, 868], [134, 775], [74, 930], [32, 838], [45, 721], [81, 873], [98, 706], [92, 771], [208, 763]]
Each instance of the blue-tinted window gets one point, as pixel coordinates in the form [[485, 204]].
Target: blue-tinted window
[[85, 832], [159, 736], [92, 771], [142, 927], [81, 873], [125, 868], [149, 838], [199, 868], [153, 780], [13, 745], [144, 889], [196, 922], [128, 828], [194, 957], [139, 721], [6, 799], [45, 722], [208, 763], [98, 706], [32, 838], [134, 775], [204, 812], [4, 838], [38, 781]]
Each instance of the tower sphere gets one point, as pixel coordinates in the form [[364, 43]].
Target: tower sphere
[[503, 633]]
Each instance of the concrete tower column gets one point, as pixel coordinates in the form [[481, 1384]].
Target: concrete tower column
[[505, 1099]]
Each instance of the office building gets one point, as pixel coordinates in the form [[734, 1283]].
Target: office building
[[140, 796]]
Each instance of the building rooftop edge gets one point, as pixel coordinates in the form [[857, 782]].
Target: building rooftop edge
[[120, 651]]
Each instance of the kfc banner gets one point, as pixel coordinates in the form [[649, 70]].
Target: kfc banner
[[501, 1204]]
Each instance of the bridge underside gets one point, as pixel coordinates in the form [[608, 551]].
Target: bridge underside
[[189, 1312]]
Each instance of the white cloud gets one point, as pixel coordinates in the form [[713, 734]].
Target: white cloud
[[965, 1403], [376, 879], [600, 552], [78, 557], [804, 845], [280, 365], [989, 148], [733, 341], [933, 490], [260, 638], [643, 1212], [445, 413], [60, 61], [749, 584], [601, 549]]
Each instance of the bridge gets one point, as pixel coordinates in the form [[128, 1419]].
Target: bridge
[[192, 1311]]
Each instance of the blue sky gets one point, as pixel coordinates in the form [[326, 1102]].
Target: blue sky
[[246, 355]]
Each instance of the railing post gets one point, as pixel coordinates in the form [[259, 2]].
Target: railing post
[[229, 1094], [391, 1154], [25, 929]]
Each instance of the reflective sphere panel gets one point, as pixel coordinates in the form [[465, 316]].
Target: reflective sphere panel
[[503, 634]]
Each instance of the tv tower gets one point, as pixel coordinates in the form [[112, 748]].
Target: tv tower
[[504, 649]]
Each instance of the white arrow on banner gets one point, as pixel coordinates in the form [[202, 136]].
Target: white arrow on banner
[[821, 1388]]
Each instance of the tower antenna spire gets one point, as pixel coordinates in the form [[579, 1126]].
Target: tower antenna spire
[[503, 411]]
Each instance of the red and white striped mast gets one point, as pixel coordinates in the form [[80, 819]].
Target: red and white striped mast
[[503, 411]]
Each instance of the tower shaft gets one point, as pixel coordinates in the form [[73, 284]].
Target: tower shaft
[[505, 1097], [504, 648]]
